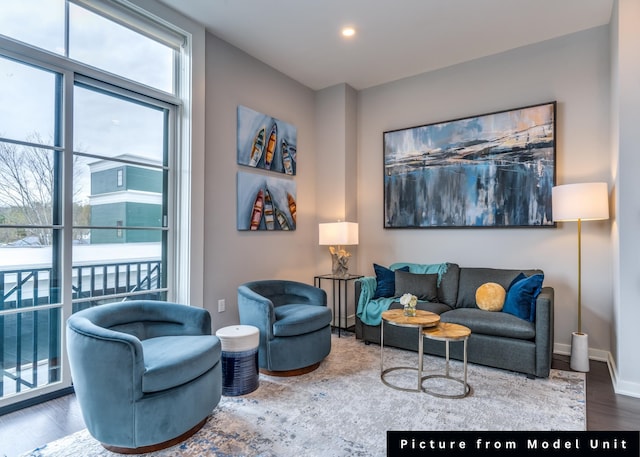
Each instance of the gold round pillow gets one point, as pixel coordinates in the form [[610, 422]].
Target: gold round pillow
[[490, 296]]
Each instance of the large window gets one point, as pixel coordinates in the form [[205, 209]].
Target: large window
[[120, 172], [30, 151], [92, 32], [88, 126]]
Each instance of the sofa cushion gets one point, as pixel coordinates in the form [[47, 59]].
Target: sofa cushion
[[522, 295], [448, 287], [385, 281], [423, 286], [296, 319], [472, 278], [488, 323], [433, 307], [170, 361]]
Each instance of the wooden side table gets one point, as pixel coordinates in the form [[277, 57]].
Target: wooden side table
[[421, 321], [448, 332]]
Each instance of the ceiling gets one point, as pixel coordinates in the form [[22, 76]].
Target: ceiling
[[394, 39]]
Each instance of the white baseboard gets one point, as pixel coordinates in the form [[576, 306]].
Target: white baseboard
[[620, 387], [594, 354]]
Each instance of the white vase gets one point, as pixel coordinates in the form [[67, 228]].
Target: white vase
[[580, 352]]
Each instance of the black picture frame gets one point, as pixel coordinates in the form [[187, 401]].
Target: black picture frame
[[490, 170]]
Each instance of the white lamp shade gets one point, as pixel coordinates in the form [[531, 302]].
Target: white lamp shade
[[338, 233], [584, 201]]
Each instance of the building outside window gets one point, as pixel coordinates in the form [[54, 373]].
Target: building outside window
[[87, 143]]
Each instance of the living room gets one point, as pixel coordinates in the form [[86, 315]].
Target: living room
[[591, 74], [574, 70]]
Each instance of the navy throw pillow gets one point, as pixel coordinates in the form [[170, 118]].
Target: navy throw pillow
[[385, 281], [522, 295]]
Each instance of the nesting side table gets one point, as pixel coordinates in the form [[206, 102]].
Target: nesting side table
[[448, 332], [421, 321]]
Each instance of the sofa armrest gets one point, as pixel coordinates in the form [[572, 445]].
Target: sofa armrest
[[544, 331]]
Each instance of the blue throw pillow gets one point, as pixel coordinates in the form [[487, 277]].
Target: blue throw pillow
[[385, 281], [522, 295]]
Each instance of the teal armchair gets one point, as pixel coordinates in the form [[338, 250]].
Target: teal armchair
[[294, 324], [146, 374]]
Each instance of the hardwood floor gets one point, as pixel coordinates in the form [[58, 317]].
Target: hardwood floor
[[24, 430], [605, 409]]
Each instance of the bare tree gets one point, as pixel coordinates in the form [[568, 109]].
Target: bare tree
[[27, 187]]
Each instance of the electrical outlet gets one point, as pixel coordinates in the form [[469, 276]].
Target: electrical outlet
[[221, 305]]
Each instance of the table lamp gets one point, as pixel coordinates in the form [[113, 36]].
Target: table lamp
[[335, 235], [580, 202]]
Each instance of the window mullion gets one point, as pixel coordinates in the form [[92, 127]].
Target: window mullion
[[66, 29]]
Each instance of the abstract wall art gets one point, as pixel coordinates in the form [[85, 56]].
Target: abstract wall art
[[265, 202], [491, 170], [265, 142]]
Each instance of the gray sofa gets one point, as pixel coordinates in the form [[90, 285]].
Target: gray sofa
[[498, 339]]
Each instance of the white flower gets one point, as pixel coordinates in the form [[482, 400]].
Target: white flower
[[409, 300]]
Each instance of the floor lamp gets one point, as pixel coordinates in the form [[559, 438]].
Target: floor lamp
[[580, 202]]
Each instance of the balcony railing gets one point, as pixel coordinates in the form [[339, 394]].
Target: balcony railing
[[30, 342]]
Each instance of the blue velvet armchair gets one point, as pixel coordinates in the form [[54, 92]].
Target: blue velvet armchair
[[294, 323], [146, 374]]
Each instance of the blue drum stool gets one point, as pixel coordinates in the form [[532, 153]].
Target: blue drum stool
[[240, 373]]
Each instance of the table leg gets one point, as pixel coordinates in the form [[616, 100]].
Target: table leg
[[339, 307], [346, 304], [381, 347], [336, 294], [420, 357], [464, 363], [446, 372]]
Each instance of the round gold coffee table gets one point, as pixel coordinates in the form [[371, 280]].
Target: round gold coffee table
[[421, 321], [448, 332]]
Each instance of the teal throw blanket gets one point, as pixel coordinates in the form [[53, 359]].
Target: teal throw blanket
[[370, 310]]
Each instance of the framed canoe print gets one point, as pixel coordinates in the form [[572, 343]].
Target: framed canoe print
[[266, 142], [491, 170], [265, 202]]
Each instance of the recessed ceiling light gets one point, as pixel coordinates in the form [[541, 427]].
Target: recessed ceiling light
[[348, 31]]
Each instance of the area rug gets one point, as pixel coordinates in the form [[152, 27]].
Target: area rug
[[343, 409]]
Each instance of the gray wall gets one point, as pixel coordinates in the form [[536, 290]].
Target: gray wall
[[232, 257], [625, 70], [574, 71]]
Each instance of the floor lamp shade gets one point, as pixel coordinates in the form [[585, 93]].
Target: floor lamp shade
[[580, 202], [584, 201]]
